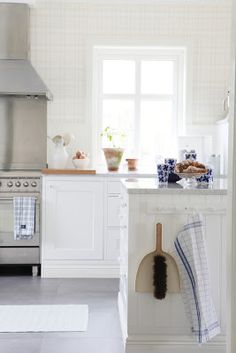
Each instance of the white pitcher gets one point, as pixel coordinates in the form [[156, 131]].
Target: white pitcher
[[59, 157]]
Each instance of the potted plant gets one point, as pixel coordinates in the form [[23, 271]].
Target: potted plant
[[114, 153]]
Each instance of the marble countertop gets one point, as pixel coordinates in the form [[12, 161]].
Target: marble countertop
[[151, 186], [124, 173]]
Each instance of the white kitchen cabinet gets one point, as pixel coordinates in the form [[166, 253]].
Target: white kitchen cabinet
[[74, 220], [73, 237], [81, 230]]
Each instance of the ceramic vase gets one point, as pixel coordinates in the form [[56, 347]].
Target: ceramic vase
[[59, 157]]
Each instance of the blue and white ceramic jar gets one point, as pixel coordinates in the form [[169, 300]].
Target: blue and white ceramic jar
[[163, 173], [171, 162], [191, 155], [173, 178], [162, 167], [206, 178]]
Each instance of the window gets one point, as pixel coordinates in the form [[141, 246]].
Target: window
[[140, 91]]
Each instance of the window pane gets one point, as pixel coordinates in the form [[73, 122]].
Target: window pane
[[119, 115], [157, 131], [118, 76], [157, 77]]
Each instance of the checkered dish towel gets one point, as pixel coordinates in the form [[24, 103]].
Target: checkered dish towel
[[24, 217], [192, 262]]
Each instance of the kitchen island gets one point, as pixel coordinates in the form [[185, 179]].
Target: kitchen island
[[151, 325]]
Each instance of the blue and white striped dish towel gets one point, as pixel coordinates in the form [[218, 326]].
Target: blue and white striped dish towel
[[191, 258], [24, 217]]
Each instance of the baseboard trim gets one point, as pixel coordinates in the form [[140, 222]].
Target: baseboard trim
[[172, 340], [170, 344], [79, 271]]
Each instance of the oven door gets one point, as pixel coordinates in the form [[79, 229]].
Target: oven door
[[17, 251]]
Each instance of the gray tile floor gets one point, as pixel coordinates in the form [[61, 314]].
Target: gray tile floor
[[103, 334]]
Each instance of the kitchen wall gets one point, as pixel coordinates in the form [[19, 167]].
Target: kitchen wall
[[63, 32]]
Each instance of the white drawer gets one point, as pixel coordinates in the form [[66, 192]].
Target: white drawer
[[113, 210], [113, 187]]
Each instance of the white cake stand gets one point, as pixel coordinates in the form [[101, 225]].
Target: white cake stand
[[190, 178]]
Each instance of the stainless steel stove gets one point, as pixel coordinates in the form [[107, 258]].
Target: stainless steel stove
[[19, 252]]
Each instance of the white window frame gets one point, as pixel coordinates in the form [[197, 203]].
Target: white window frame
[[101, 53]]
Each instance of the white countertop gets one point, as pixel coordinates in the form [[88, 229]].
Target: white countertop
[[125, 173], [151, 186]]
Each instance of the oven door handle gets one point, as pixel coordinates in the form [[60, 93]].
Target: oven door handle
[[11, 198]]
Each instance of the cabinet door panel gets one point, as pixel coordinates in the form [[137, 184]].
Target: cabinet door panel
[[74, 220]]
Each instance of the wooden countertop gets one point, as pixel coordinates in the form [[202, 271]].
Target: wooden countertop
[[67, 171]]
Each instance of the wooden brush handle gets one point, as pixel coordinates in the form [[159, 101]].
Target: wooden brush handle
[[159, 238]]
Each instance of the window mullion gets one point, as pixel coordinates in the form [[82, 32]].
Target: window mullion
[[157, 97]]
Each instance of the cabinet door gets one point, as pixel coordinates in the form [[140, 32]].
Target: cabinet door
[[74, 220]]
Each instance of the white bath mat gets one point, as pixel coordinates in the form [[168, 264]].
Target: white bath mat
[[43, 318]]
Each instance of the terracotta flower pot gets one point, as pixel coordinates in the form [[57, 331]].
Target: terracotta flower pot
[[113, 158], [132, 164]]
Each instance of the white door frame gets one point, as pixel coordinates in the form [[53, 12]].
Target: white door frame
[[231, 246]]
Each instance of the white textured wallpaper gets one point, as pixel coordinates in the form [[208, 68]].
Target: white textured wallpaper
[[61, 32]]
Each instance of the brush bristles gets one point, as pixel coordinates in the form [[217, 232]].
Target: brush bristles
[[160, 277]]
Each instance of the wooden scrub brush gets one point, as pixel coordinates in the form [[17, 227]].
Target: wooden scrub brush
[[157, 272], [159, 267]]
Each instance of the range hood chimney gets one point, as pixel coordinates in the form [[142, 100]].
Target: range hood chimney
[[17, 75]]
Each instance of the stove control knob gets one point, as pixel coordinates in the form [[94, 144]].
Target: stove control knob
[[18, 184], [34, 184], [25, 184], [10, 184]]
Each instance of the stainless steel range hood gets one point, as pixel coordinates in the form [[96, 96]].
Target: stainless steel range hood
[[23, 95], [17, 75]]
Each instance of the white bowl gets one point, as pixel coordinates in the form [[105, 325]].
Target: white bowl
[[81, 163]]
